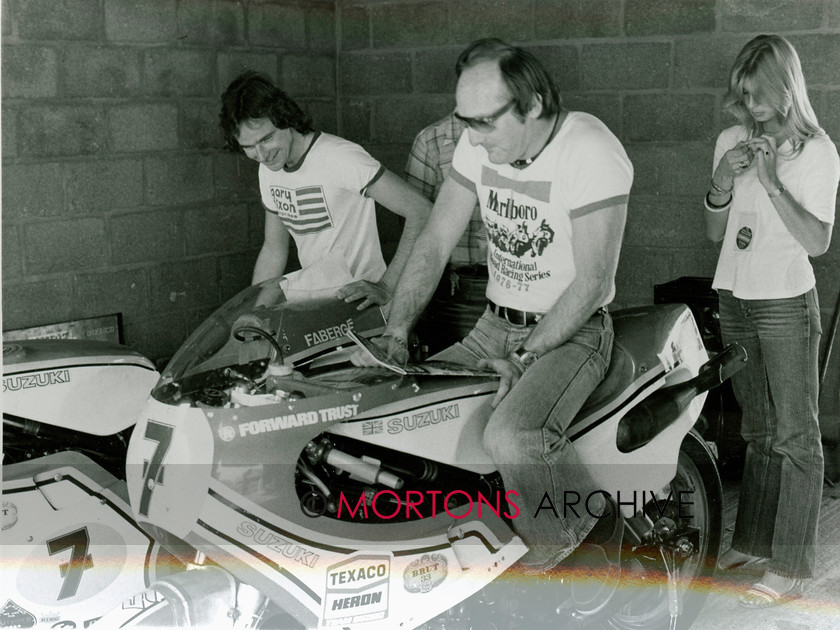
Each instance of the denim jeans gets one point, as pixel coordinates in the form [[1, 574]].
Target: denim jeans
[[458, 302], [526, 434], [778, 391]]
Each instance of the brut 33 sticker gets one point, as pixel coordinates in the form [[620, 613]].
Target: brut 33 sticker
[[425, 573]]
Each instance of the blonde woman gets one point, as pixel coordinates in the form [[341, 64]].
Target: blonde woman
[[772, 203]]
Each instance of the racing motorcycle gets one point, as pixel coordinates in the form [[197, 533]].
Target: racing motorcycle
[[273, 485], [299, 491], [71, 549]]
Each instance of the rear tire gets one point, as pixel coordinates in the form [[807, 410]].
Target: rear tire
[[640, 599], [644, 573]]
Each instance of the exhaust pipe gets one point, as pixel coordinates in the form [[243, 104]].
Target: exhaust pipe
[[662, 408]]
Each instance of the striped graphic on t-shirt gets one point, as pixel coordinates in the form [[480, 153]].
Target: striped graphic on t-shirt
[[309, 213], [313, 214]]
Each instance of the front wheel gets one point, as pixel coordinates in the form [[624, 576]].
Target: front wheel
[[201, 598]]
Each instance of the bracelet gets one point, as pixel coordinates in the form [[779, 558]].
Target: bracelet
[[711, 207], [716, 205], [777, 192], [722, 191], [400, 341]]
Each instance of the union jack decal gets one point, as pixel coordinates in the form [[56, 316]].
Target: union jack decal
[[372, 427]]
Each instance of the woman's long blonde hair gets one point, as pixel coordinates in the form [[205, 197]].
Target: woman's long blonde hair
[[770, 64]]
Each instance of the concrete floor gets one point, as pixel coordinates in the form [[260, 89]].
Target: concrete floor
[[818, 609]]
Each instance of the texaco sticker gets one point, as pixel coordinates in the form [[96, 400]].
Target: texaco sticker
[[425, 573], [357, 590]]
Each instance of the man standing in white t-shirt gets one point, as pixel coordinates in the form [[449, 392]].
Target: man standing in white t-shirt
[[553, 187], [318, 188]]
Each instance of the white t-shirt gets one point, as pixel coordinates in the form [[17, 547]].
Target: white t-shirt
[[322, 202], [528, 212], [759, 258]]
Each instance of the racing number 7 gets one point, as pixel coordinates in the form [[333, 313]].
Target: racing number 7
[[162, 435], [78, 542]]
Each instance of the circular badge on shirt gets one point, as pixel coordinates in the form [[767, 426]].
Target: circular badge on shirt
[[744, 237]]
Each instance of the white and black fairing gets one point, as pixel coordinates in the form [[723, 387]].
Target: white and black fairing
[[279, 487], [68, 394], [218, 462], [71, 549]]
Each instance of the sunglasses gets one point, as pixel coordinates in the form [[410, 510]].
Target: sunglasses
[[485, 123]]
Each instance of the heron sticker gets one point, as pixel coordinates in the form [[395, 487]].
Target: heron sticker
[[357, 590]]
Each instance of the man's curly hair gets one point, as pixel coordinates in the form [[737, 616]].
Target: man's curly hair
[[253, 95]]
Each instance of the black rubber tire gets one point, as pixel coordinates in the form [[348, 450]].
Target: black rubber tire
[[648, 609], [640, 600]]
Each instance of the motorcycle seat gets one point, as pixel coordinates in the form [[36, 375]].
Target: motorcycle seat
[[620, 375], [640, 334]]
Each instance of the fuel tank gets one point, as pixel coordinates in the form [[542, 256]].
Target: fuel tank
[[92, 387]]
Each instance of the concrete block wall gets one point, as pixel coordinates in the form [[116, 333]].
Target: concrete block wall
[[116, 196], [116, 193], [654, 71]]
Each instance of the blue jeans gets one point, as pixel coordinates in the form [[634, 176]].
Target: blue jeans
[[458, 302], [526, 434], [778, 391]]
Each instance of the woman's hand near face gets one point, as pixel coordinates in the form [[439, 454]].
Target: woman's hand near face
[[734, 162], [764, 149]]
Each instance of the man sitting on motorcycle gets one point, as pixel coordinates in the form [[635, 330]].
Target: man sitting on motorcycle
[[531, 165]]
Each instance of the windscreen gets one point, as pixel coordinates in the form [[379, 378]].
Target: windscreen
[[275, 321]]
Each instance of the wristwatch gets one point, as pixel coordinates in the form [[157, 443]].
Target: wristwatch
[[524, 357]]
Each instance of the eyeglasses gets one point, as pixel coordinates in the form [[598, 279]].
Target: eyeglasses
[[485, 123]]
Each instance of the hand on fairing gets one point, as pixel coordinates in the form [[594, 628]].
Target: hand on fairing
[[509, 372], [369, 292], [764, 148], [259, 317], [734, 162], [388, 348]]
